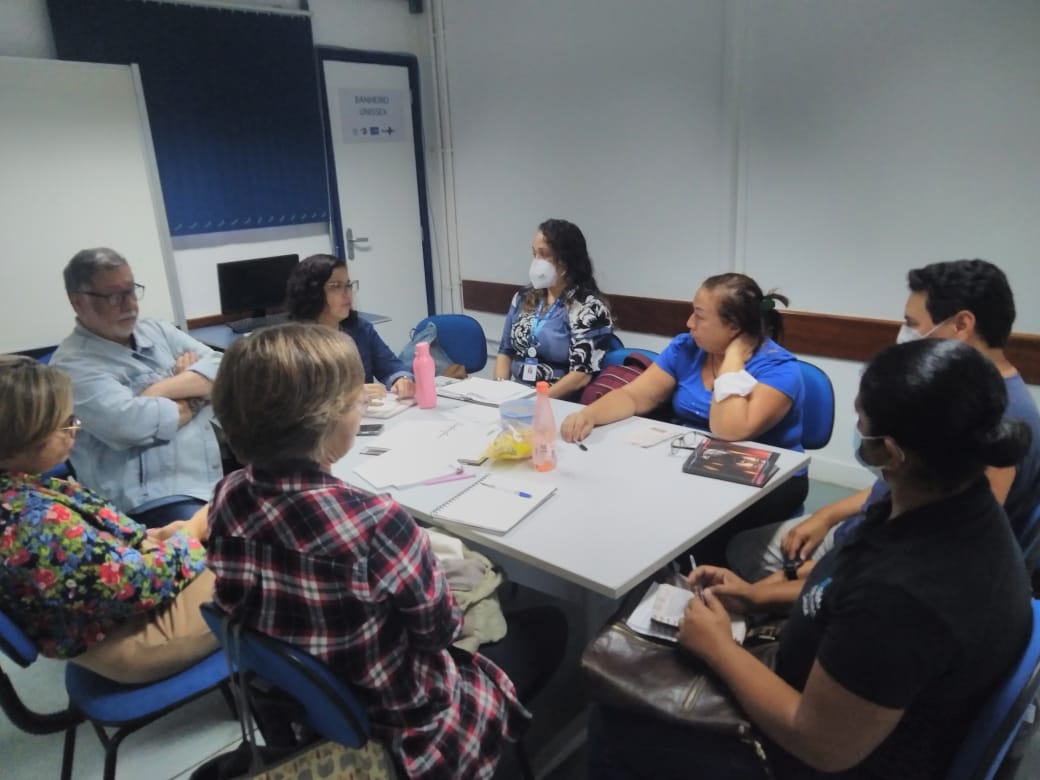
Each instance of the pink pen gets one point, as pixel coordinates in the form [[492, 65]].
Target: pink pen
[[449, 478]]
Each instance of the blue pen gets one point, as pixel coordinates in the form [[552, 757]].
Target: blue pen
[[520, 493]]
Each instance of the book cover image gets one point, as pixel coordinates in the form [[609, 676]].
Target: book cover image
[[733, 462]]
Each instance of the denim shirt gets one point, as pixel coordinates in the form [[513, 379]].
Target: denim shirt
[[130, 449], [381, 364]]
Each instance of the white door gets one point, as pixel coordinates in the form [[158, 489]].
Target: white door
[[370, 119]]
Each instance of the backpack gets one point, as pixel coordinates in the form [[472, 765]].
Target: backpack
[[613, 377]]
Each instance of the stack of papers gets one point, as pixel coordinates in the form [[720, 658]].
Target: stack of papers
[[387, 406]]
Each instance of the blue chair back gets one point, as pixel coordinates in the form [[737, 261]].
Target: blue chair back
[[1029, 536], [817, 407], [15, 643], [1000, 719], [462, 338], [330, 705], [616, 357], [610, 342]]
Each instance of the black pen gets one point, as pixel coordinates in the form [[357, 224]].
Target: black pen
[[582, 447]]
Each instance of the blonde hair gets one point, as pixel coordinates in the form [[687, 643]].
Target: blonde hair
[[34, 400], [281, 391]]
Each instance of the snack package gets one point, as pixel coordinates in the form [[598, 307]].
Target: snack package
[[513, 443]]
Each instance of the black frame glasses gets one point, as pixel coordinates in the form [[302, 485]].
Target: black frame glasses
[[118, 298]]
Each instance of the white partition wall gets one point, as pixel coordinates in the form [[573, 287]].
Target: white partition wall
[[77, 171]]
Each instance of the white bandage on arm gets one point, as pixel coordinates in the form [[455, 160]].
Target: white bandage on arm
[[734, 383]]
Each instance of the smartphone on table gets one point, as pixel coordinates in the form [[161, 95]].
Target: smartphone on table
[[370, 429]]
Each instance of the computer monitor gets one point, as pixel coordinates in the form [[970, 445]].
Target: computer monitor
[[252, 287]]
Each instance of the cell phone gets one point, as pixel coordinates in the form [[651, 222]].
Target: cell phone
[[370, 429]]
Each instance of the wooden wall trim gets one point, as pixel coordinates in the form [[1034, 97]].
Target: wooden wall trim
[[807, 333]]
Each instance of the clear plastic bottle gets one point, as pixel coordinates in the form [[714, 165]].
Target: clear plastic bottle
[[543, 431], [423, 368]]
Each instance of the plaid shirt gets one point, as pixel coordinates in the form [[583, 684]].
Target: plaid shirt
[[349, 577]]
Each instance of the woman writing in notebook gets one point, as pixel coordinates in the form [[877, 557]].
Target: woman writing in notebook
[[340, 572], [320, 290], [903, 629], [555, 327]]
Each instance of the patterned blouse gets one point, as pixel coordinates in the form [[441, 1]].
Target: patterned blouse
[[72, 567], [565, 336], [350, 578]]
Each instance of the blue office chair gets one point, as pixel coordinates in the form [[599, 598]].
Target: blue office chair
[[610, 342], [462, 338], [999, 721], [17, 646], [101, 701], [817, 407], [160, 511], [1029, 537], [331, 708]]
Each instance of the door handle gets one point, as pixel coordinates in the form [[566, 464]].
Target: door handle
[[351, 242]]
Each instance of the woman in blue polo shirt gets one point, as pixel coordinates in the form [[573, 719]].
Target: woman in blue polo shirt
[[555, 327], [726, 375]]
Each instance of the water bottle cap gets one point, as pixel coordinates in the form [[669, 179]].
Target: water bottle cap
[[541, 387], [422, 348]]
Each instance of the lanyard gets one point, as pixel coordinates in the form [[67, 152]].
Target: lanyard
[[540, 319]]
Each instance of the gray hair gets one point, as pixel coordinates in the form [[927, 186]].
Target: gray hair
[[80, 271]]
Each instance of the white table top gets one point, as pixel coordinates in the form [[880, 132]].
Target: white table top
[[620, 511]]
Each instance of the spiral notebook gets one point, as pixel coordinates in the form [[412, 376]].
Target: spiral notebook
[[494, 504]]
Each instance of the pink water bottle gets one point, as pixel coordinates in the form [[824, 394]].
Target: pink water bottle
[[423, 368], [543, 431]]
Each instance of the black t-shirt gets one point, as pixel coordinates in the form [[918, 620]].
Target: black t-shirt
[[926, 613]]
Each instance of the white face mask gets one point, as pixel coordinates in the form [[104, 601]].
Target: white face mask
[[906, 333], [857, 451], [542, 274]]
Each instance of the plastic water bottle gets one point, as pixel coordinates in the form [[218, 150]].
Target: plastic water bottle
[[543, 431], [423, 368]]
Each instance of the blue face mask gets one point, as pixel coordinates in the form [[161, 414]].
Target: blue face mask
[[857, 451]]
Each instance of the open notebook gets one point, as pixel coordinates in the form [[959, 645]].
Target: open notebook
[[657, 615], [485, 391], [494, 504]]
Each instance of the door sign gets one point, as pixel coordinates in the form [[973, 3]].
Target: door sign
[[373, 115]]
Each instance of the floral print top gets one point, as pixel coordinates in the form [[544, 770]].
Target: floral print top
[[72, 568]]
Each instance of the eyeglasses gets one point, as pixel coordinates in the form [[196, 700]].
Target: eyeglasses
[[338, 288], [685, 441], [118, 298], [72, 425]]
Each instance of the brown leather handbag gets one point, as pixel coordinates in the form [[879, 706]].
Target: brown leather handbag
[[634, 673]]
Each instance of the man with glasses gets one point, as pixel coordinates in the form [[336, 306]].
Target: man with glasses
[[141, 388], [967, 300]]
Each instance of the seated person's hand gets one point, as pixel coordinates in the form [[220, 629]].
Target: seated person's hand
[[185, 361], [802, 540], [404, 388], [705, 627], [743, 347], [197, 525], [734, 593], [577, 426], [375, 391]]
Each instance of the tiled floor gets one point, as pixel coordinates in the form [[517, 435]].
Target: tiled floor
[[174, 745]]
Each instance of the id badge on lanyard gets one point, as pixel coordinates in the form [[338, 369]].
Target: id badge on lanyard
[[530, 369]]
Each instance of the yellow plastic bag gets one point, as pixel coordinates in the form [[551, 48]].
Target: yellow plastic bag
[[514, 443]]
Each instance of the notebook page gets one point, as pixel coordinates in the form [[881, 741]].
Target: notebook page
[[494, 504], [485, 391]]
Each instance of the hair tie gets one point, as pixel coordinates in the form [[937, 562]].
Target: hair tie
[[768, 304]]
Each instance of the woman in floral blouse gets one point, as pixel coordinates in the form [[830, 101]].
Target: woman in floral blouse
[[85, 582], [342, 573]]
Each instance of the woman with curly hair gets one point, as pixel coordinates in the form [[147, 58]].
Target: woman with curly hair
[[556, 326], [320, 290]]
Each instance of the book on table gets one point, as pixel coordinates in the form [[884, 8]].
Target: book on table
[[743, 463], [494, 504]]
